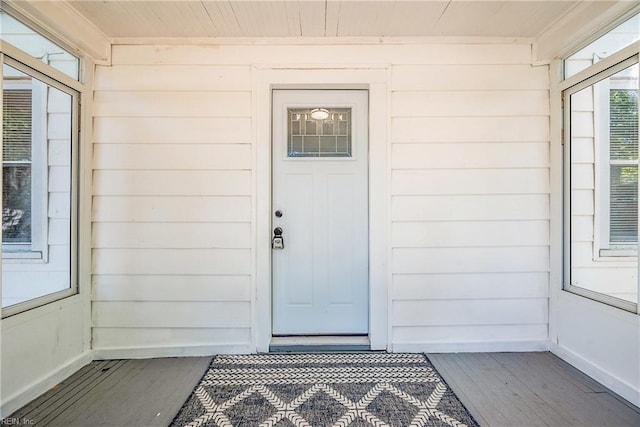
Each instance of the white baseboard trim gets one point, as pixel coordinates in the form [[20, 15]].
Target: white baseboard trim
[[625, 390], [171, 351], [471, 347], [37, 388]]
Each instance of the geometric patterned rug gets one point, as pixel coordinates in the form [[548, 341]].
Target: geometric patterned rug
[[322, 389]]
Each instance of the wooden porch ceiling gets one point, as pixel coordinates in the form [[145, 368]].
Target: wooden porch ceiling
[[323, 18]]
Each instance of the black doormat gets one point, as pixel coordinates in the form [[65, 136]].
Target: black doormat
[[322, 389]]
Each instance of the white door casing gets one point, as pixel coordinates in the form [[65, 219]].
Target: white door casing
[[320, 277]]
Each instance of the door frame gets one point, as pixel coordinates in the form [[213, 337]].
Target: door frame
[[374, 79]]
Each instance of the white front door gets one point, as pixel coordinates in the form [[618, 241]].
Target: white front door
[[320, 202]]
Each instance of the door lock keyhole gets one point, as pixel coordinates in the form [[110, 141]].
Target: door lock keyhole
[[278, 241]]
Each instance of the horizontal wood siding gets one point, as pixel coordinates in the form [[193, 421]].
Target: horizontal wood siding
[[456, 155], [171, 183], [470, 204], [152, 314], [173, 191], [172, 233], [114, 287]]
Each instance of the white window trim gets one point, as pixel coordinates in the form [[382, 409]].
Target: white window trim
[[603, 247], [37, 250]]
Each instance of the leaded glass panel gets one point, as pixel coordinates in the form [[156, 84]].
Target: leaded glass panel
[[319, 132]]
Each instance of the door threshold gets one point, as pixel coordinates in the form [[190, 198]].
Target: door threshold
[[319, 343]]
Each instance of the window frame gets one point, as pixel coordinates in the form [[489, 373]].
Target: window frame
[[604, 247], [37, 250], [609, 66], [598, 56], [50, 38], [20, 60]]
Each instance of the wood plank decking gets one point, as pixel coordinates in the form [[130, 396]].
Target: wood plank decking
[[499, 389], [531, 389], [118, 393]]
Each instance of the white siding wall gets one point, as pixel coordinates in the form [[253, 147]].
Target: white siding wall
[[470, 194], [469, 198], [172, 207]]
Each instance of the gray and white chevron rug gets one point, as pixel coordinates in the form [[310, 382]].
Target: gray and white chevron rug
[[322, 389]]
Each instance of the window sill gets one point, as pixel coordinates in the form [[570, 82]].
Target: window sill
[[618, 253], [621, 251], [50, 301], [602, 298], [22, 256]]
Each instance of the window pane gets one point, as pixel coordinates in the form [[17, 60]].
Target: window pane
[[623, 220], [16, 157], [622, 123], [34, 44], [36, 190], [16, 204], [603, 173], [16, 123], [319, 132], [623, 129], [618, 38]]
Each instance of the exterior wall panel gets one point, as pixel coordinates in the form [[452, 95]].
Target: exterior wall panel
[[470, 184], [469, 193], [172, 208]]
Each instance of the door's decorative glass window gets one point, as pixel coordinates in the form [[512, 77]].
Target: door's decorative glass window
[[319, 132]]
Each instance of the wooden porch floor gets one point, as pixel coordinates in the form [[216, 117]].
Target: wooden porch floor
[[531, 389], [499, 389], [118, 393]]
